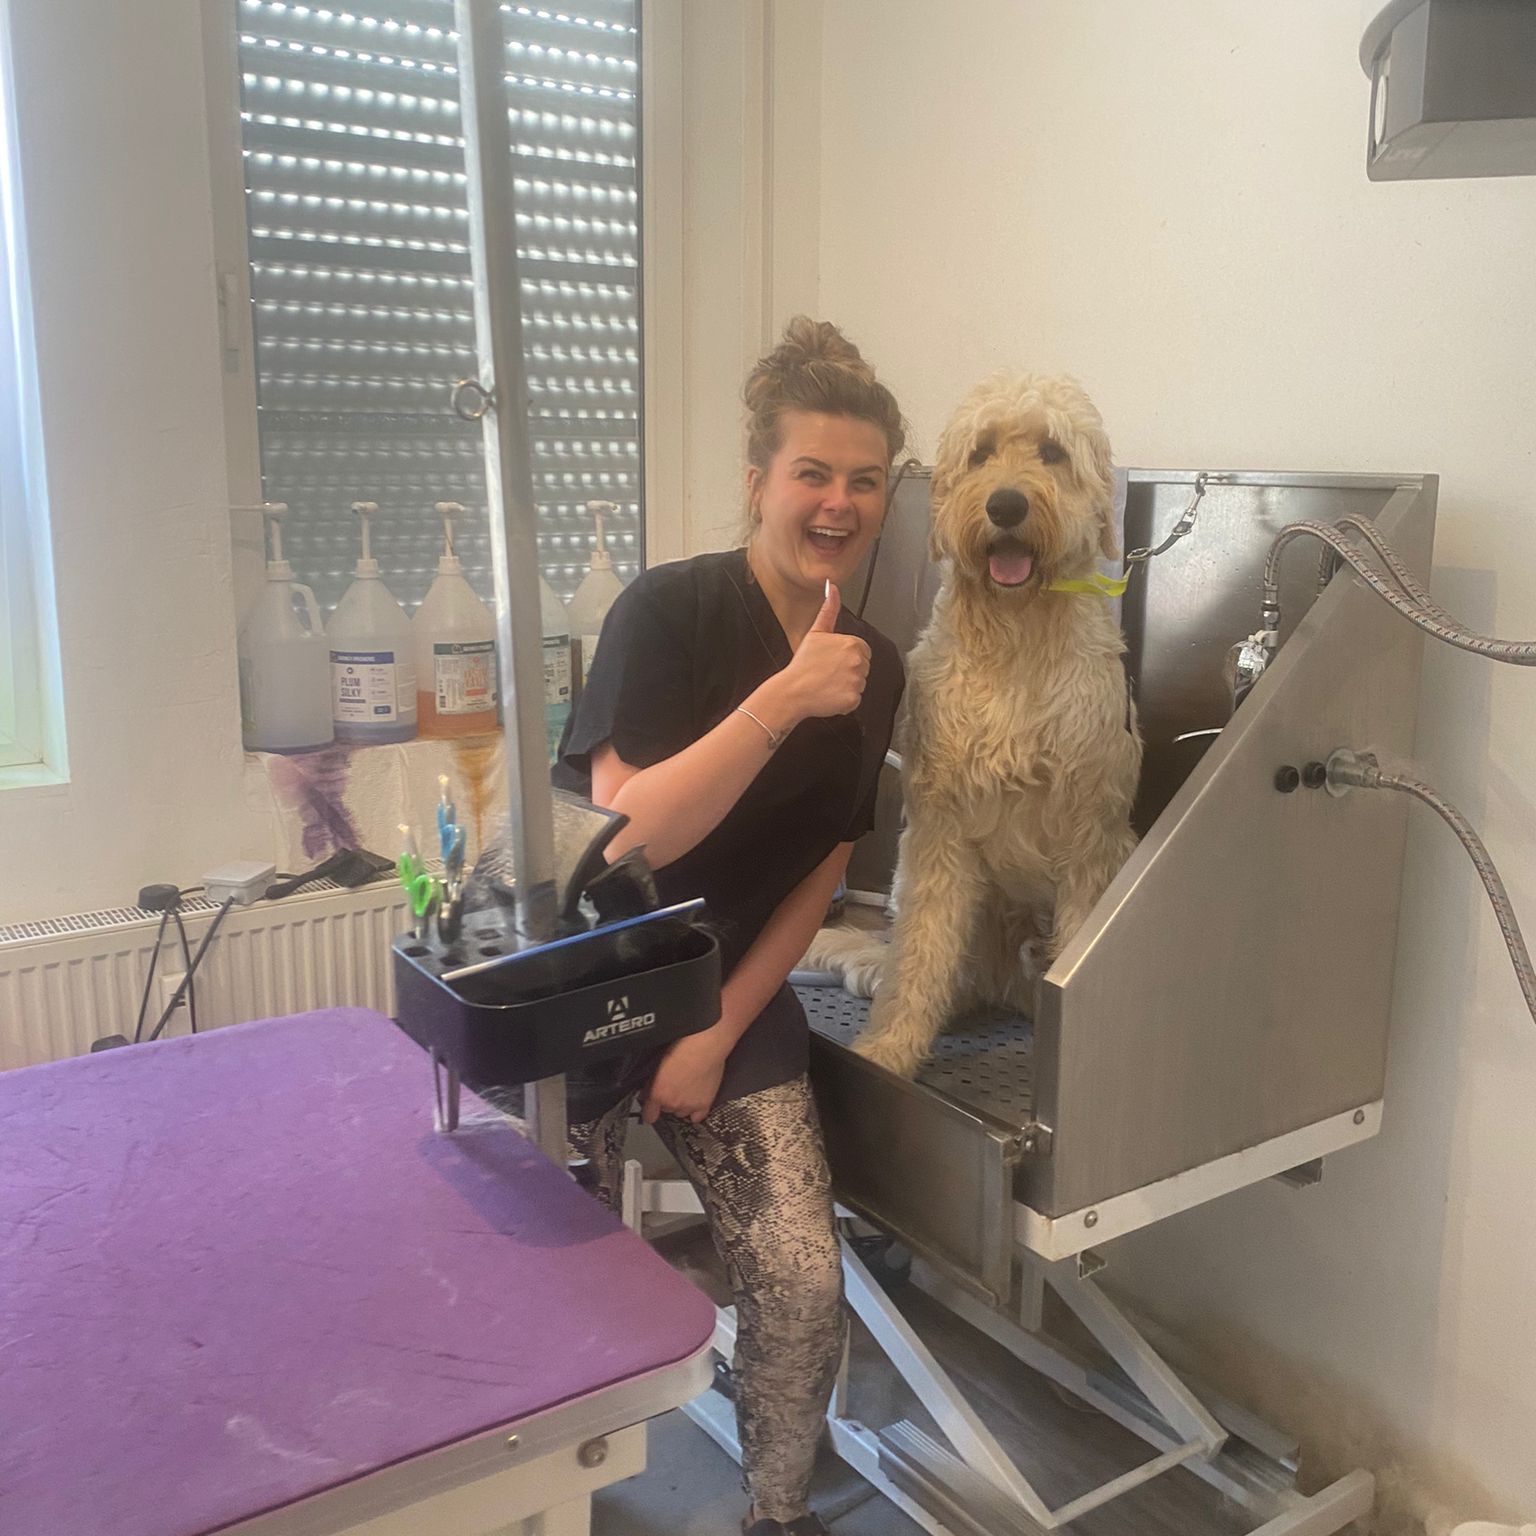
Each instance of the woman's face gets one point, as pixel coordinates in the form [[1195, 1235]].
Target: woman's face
[[820, 499]]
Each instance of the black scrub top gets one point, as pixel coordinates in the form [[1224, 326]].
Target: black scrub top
[[681, 647]]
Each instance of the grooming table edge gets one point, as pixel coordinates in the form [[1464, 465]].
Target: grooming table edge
[[513, 1470], [246, 1287]]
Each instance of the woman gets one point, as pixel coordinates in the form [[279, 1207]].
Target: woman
[[739, 717]]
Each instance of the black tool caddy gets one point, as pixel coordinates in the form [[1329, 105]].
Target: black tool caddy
[[621, 978], [520, 1016]]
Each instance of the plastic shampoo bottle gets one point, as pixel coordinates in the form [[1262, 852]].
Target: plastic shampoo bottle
[[373, 654], [594, 597], [455, 640], [285, 675]]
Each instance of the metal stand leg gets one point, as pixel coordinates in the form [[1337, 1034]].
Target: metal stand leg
[[445, 1095], [632, 1206], [544, 1111]]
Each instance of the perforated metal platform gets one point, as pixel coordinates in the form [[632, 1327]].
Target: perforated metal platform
[[984, 1061]]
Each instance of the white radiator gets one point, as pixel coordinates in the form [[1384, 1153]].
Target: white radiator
[[68, 981]]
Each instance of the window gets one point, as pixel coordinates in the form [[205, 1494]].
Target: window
[[357, 229], [28, 654]]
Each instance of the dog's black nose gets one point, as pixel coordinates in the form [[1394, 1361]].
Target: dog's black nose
[[1007, 507]]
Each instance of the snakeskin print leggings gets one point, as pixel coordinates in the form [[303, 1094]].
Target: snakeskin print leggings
[[760, 1171]]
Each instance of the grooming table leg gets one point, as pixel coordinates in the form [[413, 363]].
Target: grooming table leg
[[669, 1197], [544, 1111], [632, 1200], [715, 1414], [445, 1095], [571, 1519]]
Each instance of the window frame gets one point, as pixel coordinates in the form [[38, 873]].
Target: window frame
[[661, 291], [31, 724]]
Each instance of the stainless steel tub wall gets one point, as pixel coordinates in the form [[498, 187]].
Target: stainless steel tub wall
[[1235, 981], [899, 600], [1185, 608]]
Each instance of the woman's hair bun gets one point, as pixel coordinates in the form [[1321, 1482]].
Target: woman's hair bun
[[815, 367]]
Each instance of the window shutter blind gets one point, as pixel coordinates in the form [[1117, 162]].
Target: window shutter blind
[[358, 229]]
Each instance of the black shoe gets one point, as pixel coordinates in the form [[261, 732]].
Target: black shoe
[[806, 1525]]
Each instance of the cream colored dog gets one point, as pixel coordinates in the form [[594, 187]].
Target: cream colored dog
[[1020, 753]]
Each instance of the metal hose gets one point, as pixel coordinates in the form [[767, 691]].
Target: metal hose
[[1406, 580], [1413, 601], [1521, 653], [1363, 773]]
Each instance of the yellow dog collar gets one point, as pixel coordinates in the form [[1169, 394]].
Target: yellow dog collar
[[1097, 584]]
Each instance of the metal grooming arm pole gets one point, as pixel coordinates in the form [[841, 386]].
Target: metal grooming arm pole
[[498, 400]]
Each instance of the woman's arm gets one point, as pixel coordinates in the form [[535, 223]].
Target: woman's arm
[[689, 1075], [674, 805]]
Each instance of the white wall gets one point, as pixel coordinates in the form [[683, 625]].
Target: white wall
[[1170, 202], [115, 182], [744, 256]]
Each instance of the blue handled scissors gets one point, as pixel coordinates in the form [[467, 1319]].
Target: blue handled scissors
[[450, 837]]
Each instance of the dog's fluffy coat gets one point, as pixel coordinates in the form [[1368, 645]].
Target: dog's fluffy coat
[[1020, 750]]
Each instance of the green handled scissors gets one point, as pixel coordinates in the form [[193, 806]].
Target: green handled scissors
[[420, 887]]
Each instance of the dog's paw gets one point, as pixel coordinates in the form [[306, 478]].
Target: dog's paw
[[890, 1053], [855, 957], [862, 978]]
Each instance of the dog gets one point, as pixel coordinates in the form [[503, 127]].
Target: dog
[[1021, 753]]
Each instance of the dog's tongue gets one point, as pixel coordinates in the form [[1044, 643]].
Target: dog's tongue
[[1011, 568]]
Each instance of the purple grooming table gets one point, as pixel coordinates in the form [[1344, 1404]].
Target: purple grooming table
[[243, 1283]]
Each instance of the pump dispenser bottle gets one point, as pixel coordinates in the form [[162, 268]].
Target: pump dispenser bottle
[[285, 676], [455, 643], [373, 654], [591, 601]]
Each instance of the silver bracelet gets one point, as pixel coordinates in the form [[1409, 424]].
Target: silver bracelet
[[775, 738]]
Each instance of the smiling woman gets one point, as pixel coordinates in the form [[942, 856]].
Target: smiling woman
[[816, 508], [739, 716]]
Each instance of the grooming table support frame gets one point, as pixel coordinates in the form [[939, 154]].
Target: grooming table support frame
[[973, 1487]]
